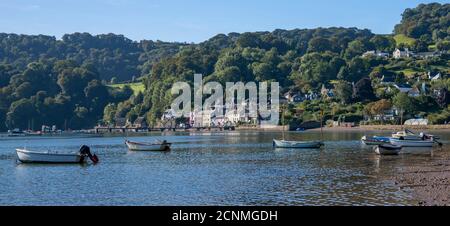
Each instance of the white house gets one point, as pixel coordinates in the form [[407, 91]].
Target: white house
[[436, 77], [388, 115], [234, 117], [201, 118], [402, 54]]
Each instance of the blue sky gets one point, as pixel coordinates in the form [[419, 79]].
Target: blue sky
[[195, 20]]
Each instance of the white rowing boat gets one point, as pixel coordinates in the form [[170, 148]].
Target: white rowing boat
[[141, 146], [297, 144], [27, 156], [387, 149]]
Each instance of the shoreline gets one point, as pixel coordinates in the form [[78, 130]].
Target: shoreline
[[428, 181], [368, 128], [392, 128]]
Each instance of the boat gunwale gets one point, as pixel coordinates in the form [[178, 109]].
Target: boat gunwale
[[42, 153], [292, 144], [146, 144]]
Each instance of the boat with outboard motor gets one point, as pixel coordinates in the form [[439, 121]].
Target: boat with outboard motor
[[409, 135], [27, 156]]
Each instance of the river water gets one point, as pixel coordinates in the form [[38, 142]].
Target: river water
[[223, 168]]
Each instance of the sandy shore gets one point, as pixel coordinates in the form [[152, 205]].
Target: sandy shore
[[429, 180]]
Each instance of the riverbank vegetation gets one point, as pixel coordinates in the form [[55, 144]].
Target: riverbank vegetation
[[332, 69]]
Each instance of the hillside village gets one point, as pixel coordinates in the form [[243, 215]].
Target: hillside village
[[328, 76], [421, 85]]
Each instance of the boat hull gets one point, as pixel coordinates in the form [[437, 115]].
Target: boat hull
[[26, 156], [297, 144], [412, 143], [133, 146], [387, 149]]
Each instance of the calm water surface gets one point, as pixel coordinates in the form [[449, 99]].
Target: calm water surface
[[229, 168]]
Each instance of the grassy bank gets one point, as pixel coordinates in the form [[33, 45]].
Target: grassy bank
[[403, 39], [136, 87]]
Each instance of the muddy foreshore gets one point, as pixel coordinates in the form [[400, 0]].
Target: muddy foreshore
[[428, 180]]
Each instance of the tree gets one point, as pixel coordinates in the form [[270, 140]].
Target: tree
[[383, 43], [315, 69], [6, 72], [443, 99], [344, 91], [443, 45], [426, 19], [404, 104], [20, 113], [380, 107], [320, 44], [357, 48], [354, 71], [363, 91]]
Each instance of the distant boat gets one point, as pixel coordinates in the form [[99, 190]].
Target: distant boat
[[413, 143], [387, 149], [297, 144], [140, 146], [16, 133], [32, 133], [26, 156], [409, 135], [406, 135], [375, 140]]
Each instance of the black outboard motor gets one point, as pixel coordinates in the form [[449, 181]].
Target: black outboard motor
[[85, 150]]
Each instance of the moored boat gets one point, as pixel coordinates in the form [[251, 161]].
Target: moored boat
[[27, 156], [405, 135], [409, 135], [32, 133], [387, 149], [16, 133], [297, 144], [141, 146], [413, 143], [375, 140]]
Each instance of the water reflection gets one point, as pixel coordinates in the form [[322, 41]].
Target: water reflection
[[225, 168]]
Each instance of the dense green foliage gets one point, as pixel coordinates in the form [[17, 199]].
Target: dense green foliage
[[76, 81], [303, 60], [113, 55], [63, 93], [427, 23]]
